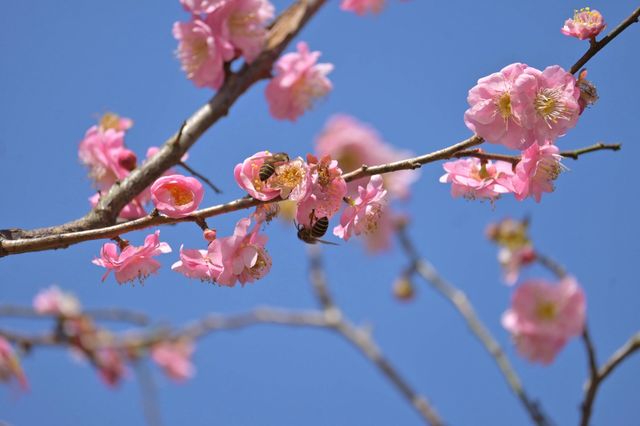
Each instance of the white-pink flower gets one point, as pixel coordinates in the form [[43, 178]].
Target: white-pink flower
[[56, 302], [244, 24], [472, 178], [543, 316], [243, 255], [176, 195], [298, 82], [202, 52], [327, 191], [10, 368], [353, 144], [205, 265], [586, 24], [293, 179], [497, 105], [363, 215], [132, 262], [175, 359], [361, 7], [537, 170], [553, 106]]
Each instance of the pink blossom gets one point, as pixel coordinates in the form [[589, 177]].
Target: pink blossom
[[104, 153], [362, 216], [354, 144], [247, 175], [174, 358], [327, 190], [243, 23], [496, 107], [543, 316], [293, 179], [586, 24], [176, 195], [205, 265], [133, 210], [199, 7], [56, 302], [110, 364], [361, 7], [298, 82], [202, 52], [537, 170], [10, 365], [471, 178], [110, 120], [132, 262], [243, 255], [553, 106]]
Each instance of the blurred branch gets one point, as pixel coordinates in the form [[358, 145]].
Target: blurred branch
[[283, 30], [598, 45], [148, 394], [106, 314], [460, 301]]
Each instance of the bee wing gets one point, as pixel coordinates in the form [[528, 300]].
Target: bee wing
[[326, 242]]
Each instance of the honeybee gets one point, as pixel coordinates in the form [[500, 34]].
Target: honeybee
[[268, 168], [311, 235]]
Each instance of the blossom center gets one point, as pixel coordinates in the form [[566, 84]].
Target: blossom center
[[240, 24], [504, 105], [180, 195], [549, 106], [199, 54], [546, 311], [289, 176], [587, 17], [372, 218]]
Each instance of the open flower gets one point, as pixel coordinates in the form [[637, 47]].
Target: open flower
[[543, 316], [205, 265], [176, 195], [244, 24], [56, 302], [298, 82], [473, 178], [174, 358], [10, 365], [247, 175], [133, 262], [537, 170], [202, 52], [496, 107], [362, 216], [242, 255], [327, 190], [361, 7], [103, 151], [586, 24], [353, 144]]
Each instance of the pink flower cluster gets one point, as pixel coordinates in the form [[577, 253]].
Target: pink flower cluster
[[586, 24], [298, 82], [534, 174], [544, 316], [218, 32], [520, 106]]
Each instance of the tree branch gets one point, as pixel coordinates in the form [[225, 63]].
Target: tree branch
[[106, 314], [462, 304]]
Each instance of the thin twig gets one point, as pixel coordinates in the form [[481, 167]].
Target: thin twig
[[201, 176], [361, 338], [462, 304]]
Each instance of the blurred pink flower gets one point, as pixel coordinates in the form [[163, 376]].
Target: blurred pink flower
[[199, 7], [555, 108], [10, 365], [380, 238], [110, 120], [496, 107], [537, 170], [543, 316], [110, 365], [243, 255], [133, 262], [103, 151], [244, 24], [56, 302], [362, 6], [247, 175], [327, 190], [297, 83], [202, 52], [174, 358], [354, 144], [205, 265], [586, 24], [472, 179], [362, 216], [513, 259], [176, 195]]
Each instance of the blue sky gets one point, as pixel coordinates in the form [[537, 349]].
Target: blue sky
[[407, 72]]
